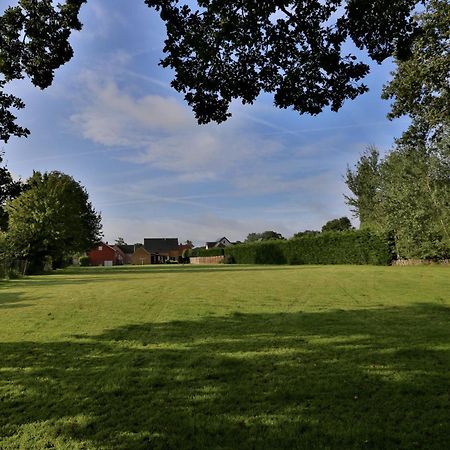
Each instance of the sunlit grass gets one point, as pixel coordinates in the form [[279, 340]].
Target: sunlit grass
[[226, 357]]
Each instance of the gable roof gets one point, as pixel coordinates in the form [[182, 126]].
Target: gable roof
[[127, 248], [160, 245], [218, 243], [103, 244], [141, 249], [118, 250], [222, 238]]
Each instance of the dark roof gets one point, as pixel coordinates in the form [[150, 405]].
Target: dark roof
[[126, 248], [160, 245], [217, 244]]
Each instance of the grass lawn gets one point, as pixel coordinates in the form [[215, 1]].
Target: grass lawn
[[226, 357]]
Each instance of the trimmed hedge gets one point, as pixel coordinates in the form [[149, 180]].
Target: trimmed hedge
[[266, 252], [207, 252], [345, 247]]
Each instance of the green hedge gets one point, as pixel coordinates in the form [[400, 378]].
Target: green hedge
[[267, 252], [345, 247], [207, 252]]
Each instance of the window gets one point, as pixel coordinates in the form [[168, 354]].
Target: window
[[100, 248]]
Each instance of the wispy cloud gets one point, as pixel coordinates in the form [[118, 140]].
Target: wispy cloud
[[159, 131]]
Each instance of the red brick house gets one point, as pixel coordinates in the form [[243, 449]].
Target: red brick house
[[104, 255]]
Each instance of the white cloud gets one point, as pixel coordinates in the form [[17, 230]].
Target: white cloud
[[114, 118], [203, 174], [160, 131]]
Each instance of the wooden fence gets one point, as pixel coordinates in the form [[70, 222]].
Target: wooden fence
[[207, 259]]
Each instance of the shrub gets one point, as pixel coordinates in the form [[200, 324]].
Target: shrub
[[13, 274], [84, 261]]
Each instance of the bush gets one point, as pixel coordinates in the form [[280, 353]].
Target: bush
[[344, 247], [13, 274], [84, 261]]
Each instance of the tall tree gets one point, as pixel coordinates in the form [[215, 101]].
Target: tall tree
[[53, 217], [420, 86], [221, 50], [415, 197], [364, 183], [408, 192]]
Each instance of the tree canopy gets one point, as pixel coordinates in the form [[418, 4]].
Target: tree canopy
[[264, 236], [420, 87], [341, 224], [221, 50], [52, 218], [9, 189], [364, 183], [408, 191]]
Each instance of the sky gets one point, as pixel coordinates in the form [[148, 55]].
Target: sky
[[112, 121]]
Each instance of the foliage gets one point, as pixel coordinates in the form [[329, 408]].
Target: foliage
[[53, 217], [267, 252], [84, 261], [343, 247], [202, 251], [306, 233], [221, 50], [264, 236], [364, 183], [164, 357], [420, 86], [342, 224], [408, 193], [8, 125], [229, 259], [415, 195], [120, 241], [9, 189]]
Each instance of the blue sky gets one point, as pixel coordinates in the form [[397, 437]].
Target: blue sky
[[112, 121]]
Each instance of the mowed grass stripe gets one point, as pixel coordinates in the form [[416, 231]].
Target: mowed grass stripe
[[226, 357]]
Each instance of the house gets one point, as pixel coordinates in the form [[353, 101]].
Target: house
[[162, 249], [220, 243], [121, 257], [140, 256], [128, 251], [104, 255]]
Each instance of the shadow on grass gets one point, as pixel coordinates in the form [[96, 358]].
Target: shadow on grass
[[338, 379], [169, 268], [97, 274], [11, 300]]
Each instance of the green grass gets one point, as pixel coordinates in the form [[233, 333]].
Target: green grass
[[226, 357]]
